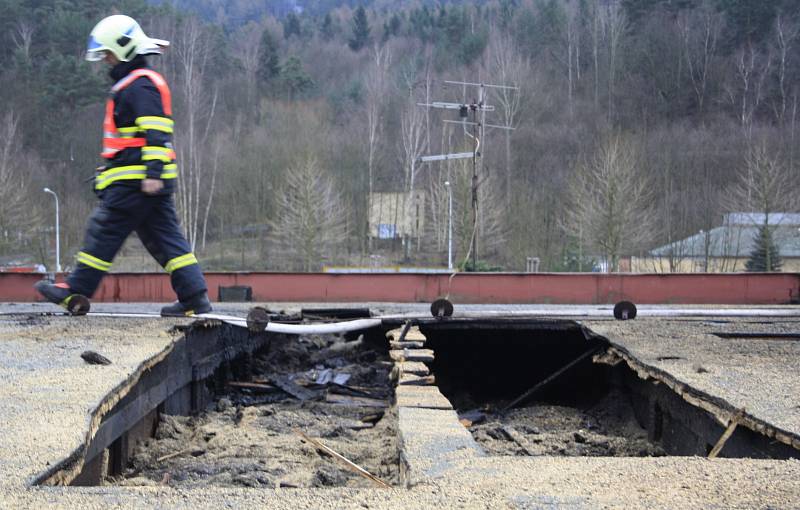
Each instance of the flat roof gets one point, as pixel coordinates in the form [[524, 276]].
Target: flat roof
[[47, 394]]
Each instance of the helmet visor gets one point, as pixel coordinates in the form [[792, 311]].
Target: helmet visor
[[95, 50]]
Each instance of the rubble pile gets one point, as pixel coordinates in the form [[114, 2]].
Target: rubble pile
[[334, 391], [606, 429]]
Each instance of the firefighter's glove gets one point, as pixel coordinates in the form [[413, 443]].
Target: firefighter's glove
[[152, 186]]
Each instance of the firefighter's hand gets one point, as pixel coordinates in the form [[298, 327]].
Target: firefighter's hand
[[152, 186]]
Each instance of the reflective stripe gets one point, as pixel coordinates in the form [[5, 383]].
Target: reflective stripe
[[91, 261], [121, 84], [113, 139], [119, 173], [179, 262], [153, 153], [125, 132], [116, 144], [170, 171], [158, 123], [158, 81]]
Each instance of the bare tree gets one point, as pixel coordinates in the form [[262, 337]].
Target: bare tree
[[312, 225], [752, 69], [786, 34], [437, 206], [23, 37], [699, 40], [610, 202], [492, 217], [16, 216], [596, 36], [413, 137], [247, 46], [614, 26], [509, 68], [764, 185], [221, 141], [195, 115], [573, 42], [374, 105]]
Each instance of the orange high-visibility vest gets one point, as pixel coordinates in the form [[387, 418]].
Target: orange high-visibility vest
[[113, 142]]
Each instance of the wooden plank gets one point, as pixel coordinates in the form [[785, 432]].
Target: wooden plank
[[415, 335], [121, 420], [182, 370], [416, 380], [414, 367], [175, 454], [350, 464], [422, 355], [406, 345], [252, 386], [512, 434], [726, 435], [353, 401], [426, 397]]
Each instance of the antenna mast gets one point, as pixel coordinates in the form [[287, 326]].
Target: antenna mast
[[478, 109]]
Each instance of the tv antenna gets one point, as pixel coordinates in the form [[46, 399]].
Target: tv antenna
[[477, 110]]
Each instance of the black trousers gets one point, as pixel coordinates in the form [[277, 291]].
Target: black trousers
[[124, 209]]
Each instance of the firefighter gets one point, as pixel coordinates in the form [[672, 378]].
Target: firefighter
[[136, 183]]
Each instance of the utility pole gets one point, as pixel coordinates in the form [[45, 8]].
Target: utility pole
[[58, 234], [478, 108], [477, 135], [449, 226]]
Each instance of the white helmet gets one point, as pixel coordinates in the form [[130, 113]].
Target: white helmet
[[122, 36]]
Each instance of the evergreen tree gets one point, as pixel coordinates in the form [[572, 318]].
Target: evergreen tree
[[268, 64], [327, 30], [765, 256], [391, 28], [453, 25], [635, 10], [291, 26], [750, 21], [421, 23], [294, 78], [471, 47], [361, 29], [506, 15]]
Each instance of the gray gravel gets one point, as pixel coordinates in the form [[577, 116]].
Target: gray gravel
[[47, 392], [494, 482], [758, 374]]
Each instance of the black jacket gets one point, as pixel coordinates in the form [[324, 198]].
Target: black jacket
[[140, 98]]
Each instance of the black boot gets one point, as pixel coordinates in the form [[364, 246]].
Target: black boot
[[194, 306], [60, 294]]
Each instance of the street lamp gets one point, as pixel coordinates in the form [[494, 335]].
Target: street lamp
[[449, 225], [58, 243]]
